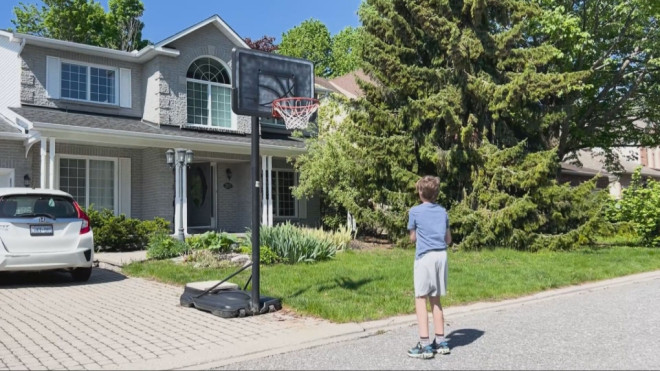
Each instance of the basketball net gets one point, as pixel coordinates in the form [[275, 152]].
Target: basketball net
[[295, 111]]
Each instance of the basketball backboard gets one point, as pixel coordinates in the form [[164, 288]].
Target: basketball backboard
[[258, 78]]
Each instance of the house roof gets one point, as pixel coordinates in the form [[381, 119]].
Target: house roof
[[347, 84], [214, 20], [130, 127], [141, 55], [594, 159], [577, 170], [6, 127]]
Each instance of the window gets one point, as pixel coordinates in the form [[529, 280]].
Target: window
[[284, 204], [209, 94], [89, 83], [89, 181]]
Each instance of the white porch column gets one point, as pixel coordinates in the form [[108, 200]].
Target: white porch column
[[51, 162], [184, 194], [269, 168], [264, 190], [43, 174], [177, 197]]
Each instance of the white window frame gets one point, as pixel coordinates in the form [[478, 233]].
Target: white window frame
[[115, 160], [88, 93], [276, 194], [234, 119]]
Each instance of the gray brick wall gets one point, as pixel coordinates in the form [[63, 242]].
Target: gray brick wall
[[12, 156], [157, 188], [33, 82], [205, 42]]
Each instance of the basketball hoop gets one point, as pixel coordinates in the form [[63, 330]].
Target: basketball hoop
[[295, 111]]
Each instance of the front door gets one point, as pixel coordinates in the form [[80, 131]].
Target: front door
[[7, 178], [200, 197]]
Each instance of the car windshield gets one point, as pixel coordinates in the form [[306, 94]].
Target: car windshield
[[29, 206]]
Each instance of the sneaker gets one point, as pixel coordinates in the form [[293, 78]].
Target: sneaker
[[421, 352], [442, 348]]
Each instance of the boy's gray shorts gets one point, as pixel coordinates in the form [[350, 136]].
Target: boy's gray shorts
[[430, 274]]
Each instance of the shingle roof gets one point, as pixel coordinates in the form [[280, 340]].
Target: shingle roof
[[5, 127], [134, 125], [595, 160]]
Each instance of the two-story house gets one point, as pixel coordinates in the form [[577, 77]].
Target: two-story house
[[97, 123]]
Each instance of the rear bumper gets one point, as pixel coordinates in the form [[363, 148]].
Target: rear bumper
[[79, 258]]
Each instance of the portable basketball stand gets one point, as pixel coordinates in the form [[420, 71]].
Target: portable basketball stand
[[263, 85]]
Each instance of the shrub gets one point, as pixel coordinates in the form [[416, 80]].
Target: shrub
[[293, 244], [266, 255], [120, 233], [516, 203], [219, 242], [640, 206], [206, 259], [163, 246]]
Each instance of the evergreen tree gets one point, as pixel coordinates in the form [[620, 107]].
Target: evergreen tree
[[451, 78]]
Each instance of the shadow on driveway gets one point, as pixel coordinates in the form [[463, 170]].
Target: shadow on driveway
[[60, 278], [462, 337]]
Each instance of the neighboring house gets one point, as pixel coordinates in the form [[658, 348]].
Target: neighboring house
[[97, 123], [630, 158]]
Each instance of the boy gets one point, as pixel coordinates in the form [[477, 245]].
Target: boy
[[428, 224]]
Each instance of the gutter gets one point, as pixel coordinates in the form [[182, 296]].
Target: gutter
[[176, 140]]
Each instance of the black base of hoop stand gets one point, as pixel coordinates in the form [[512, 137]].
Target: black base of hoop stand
[[239, 303]]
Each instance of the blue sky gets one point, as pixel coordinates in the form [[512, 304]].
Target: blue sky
[[249, 18]]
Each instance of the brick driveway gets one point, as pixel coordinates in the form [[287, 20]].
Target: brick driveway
[[115, 322]]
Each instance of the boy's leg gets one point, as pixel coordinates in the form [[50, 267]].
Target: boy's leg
[[423, 349], [440, 344], [422, 317], [438, 316]]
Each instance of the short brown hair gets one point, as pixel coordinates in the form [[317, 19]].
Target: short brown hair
[[427, 187]]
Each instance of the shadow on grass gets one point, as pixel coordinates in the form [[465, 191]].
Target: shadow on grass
[[462, 337], [346, 284], [55, 278]]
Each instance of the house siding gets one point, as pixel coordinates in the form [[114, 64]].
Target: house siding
[[33, 82], [12, 156]]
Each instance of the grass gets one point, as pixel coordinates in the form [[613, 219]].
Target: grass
[[375, 284]]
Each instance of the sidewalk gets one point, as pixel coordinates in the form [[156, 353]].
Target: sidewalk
[[115, 260]]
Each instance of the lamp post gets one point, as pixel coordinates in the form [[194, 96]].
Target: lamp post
[[179, 159]]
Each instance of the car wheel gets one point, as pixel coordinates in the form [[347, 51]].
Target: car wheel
[[81, 274]]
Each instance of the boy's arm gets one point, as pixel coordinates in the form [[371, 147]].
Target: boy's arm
[[448, 237], [413, 235]]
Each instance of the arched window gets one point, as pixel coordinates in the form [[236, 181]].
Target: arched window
[[209, 92]]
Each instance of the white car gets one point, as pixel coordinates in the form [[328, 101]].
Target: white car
[[44, 229]]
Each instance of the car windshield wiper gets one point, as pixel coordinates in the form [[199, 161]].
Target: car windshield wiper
[[35, 215]]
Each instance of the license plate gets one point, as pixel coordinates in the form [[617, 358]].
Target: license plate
[[41, 230]]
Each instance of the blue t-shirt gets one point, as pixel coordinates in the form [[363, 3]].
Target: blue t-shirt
[[430, 221]]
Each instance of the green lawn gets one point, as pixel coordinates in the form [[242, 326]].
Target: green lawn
[[374, 284]]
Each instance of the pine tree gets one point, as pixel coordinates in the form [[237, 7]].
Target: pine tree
[[452, 79]]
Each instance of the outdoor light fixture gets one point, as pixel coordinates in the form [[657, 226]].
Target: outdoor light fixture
[[179, 159], [229, 174], [169, 157], [26, 180]]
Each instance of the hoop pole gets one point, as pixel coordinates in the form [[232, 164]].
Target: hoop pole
[[254, 164]]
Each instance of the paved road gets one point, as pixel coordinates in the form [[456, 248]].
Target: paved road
[[603, 328]]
